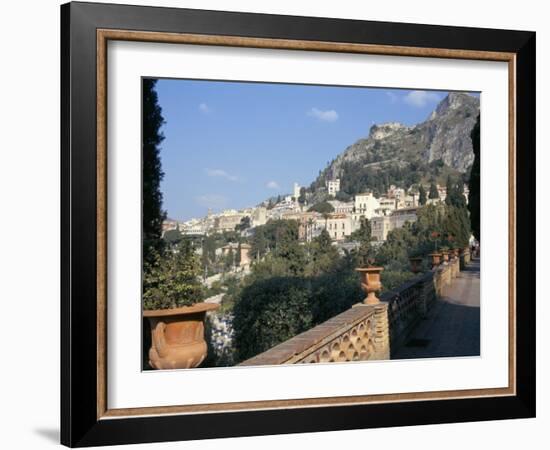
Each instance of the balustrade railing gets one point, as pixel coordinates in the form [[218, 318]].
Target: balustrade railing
[[367, 331]]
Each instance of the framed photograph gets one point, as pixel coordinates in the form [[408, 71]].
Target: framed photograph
[[277, 224]]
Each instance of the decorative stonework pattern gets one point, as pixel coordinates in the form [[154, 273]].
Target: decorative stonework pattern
[[354, 344], [358, 334]]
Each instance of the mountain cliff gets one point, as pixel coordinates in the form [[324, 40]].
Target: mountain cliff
[[397, 154]]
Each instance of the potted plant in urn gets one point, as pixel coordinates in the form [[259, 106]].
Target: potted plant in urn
[[370, 282], [172, 294]]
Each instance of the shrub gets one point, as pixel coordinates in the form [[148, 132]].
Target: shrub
[[392, 279], [269, 312], [172, 280]]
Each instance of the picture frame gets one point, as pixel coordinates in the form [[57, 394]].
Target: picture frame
[[86, 418]]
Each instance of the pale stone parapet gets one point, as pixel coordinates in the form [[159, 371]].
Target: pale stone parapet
[[359, 333]]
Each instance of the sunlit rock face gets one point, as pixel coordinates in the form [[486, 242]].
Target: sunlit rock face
[[444, 135]]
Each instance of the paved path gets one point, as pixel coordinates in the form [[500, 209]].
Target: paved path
[[452, 326]]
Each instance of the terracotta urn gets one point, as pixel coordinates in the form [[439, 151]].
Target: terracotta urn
[[436, 259], [416, 264], [370, 283], [177, 336]]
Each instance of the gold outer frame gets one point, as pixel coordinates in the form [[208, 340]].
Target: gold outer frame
[[104, 35]]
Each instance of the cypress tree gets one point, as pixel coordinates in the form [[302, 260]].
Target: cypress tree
[[153, 214], [473, 185]]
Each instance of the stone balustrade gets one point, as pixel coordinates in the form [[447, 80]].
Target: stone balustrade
[[366, 332], [408, 304], [358, 334]]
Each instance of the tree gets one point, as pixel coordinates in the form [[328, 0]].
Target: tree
[[209, 245], [364, 233], [343, 196], [268, 312], [473, 185], [173, 236], [238, 256], [152, 212], [455, 190], [422, 195], [322, 207], [434, 193], [323, 253], [259, 243], [281, 238], [302, 197]]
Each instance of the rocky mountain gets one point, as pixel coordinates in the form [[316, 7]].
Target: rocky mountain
[[395, 153]]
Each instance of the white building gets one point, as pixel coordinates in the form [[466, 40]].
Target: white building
[[365, 205], [333, 186], [339, 226], [341, 207], [386, 206], [296, 191]]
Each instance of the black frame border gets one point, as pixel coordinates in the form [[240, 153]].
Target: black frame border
[[79, 423]]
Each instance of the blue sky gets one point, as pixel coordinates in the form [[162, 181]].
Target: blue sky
[[232, 144]]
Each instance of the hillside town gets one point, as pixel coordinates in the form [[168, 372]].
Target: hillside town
[[385, 213]]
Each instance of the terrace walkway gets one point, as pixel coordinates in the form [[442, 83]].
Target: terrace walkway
[[452, 327]]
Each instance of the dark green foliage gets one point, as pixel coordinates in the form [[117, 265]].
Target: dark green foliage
[[153, 214], [455, 193], [377, 176], [280, 238], [322, 208], [269, 312], [422, 195], [173, 236], [394, 253], [474, 195], [456, 226], [302, 197], [392, 279], [259, 243], [323, 254], [172, 279], [363, 235], [238, 256], [335, 291], [209, 244], [434, 193], [343, 196]]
